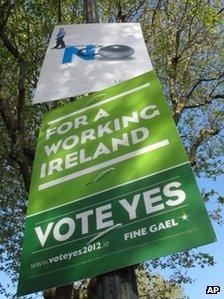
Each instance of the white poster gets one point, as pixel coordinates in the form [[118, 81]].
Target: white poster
[[89, 57]]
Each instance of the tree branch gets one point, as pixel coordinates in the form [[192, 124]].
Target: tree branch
[[218, 96], [5, 12], [203, 135], [21, 96], [120, 16], [179, 108], [9, 46], [134, 10], [189, 94], [17, 143], [158, 6], [206, 102], [15, 126], [59, 12], [7, 116], [22, 75], [220, 11]]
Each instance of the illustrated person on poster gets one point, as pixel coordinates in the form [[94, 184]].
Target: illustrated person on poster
[[59, 39]]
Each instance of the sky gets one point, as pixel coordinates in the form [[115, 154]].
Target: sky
[[210, 276]]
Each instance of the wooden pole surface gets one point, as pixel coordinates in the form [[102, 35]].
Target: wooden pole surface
[[90, 11], [120, 284]]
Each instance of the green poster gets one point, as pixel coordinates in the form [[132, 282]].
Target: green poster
[[111, 187]]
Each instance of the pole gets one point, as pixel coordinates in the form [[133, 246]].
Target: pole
[[90, 11], [119, 284]]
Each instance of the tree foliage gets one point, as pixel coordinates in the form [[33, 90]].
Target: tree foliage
[[151, 286], [184, 39]]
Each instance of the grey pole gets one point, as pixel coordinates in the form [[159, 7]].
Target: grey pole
[[90, 11], [119, 284]]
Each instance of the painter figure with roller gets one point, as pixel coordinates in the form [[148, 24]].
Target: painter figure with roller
[[60, 39]]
